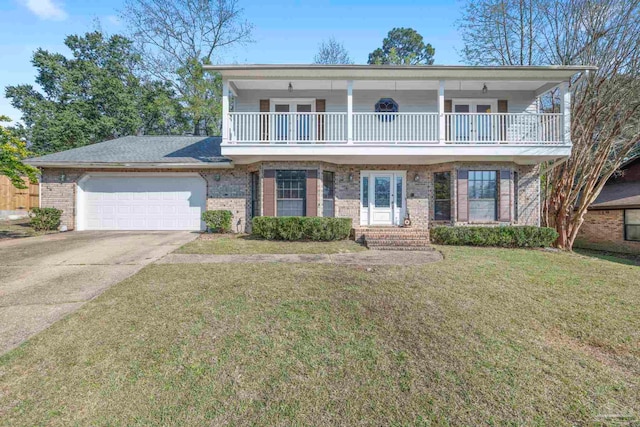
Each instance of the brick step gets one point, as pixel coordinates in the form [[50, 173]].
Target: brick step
[[396, 236], [392, 240], [402, 248], [396, 233], [412, 244]]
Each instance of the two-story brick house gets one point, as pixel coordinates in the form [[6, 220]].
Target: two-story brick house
[[383, 145]]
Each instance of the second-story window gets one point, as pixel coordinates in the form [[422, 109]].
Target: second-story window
[[386, 106]]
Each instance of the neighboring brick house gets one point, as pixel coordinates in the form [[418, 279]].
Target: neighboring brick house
[[378, 144], [613, 221]]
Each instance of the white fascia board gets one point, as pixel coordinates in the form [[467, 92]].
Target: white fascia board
[[395, 154], [70, 165], [432, 72]]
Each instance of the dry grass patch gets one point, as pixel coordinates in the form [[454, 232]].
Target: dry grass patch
[[15, 229], [248, 245], [487, 336]]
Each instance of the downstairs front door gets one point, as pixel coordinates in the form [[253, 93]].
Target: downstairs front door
[[382, 198]]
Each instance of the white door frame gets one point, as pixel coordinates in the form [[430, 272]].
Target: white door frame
[[473, 104], [397, 214], [293, 105]]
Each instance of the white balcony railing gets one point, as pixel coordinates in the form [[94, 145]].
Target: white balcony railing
[[288, 128], [396, 128], [501, 128]]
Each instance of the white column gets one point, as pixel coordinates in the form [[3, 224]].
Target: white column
[[441, 120], [225, 111], [350, 111], [565, 109]]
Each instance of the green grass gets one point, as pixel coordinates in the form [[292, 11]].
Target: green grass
[[629, 259], [248, 245], [485, 337], [13, 229], [628, 248]]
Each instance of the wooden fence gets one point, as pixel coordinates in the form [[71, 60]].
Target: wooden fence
[[12, 198]]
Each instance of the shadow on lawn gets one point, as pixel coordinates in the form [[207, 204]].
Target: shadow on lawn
[[15, 229], [626, 259]]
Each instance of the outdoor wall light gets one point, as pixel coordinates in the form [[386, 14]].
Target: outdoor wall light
[[63, 177], [416, 178], [290, 87], [484, 88], [350, 177], [217, 177]]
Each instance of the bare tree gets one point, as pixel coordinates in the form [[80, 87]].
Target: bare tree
[[606, 104], [332, 52], [175, 37], [502, 32]]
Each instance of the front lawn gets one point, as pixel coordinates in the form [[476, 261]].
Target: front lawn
[[484, 337], [248, 245]]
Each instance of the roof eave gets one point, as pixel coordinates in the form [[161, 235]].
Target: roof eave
[[131, 165], [449, 72], [614, 207]]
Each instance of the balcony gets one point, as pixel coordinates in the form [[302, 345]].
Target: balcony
[[438, 114], [379, 129]]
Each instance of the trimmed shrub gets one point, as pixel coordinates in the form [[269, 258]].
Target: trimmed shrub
[[45, 219], [505, 236], [217, 221], [301, 228]]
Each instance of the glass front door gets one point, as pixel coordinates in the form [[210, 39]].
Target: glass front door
[[383, 196]]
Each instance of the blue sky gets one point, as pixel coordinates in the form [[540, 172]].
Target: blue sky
[[285, 31]]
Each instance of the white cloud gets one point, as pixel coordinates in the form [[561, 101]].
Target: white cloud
[[114, 20], [46, 9]]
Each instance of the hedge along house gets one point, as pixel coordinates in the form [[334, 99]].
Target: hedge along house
[[386, 146]]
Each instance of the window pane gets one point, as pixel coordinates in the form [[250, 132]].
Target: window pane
[[482, 210], [442, 210], [382, 192], [633, 232], [442, 192], [365, 191], [482, 195], [328, 184], [632, 216], [328, 208], [399, 191], [442, 185], [291, 192], [291, 207]]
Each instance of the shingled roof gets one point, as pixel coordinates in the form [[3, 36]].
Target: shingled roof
[[141, 151], [618, 196]]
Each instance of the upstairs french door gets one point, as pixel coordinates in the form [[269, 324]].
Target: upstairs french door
[[477, 126], [298, 127]]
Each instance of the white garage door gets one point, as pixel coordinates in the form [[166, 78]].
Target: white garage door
[[130, 202]]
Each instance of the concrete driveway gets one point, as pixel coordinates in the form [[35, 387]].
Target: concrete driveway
[[44, 278]]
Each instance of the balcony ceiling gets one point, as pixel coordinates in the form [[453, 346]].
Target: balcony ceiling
[[391, 85]]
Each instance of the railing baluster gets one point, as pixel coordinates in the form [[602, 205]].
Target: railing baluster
[[395, 128]]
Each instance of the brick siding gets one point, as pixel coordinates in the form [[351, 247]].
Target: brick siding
[[230, 189], [604, 230]]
